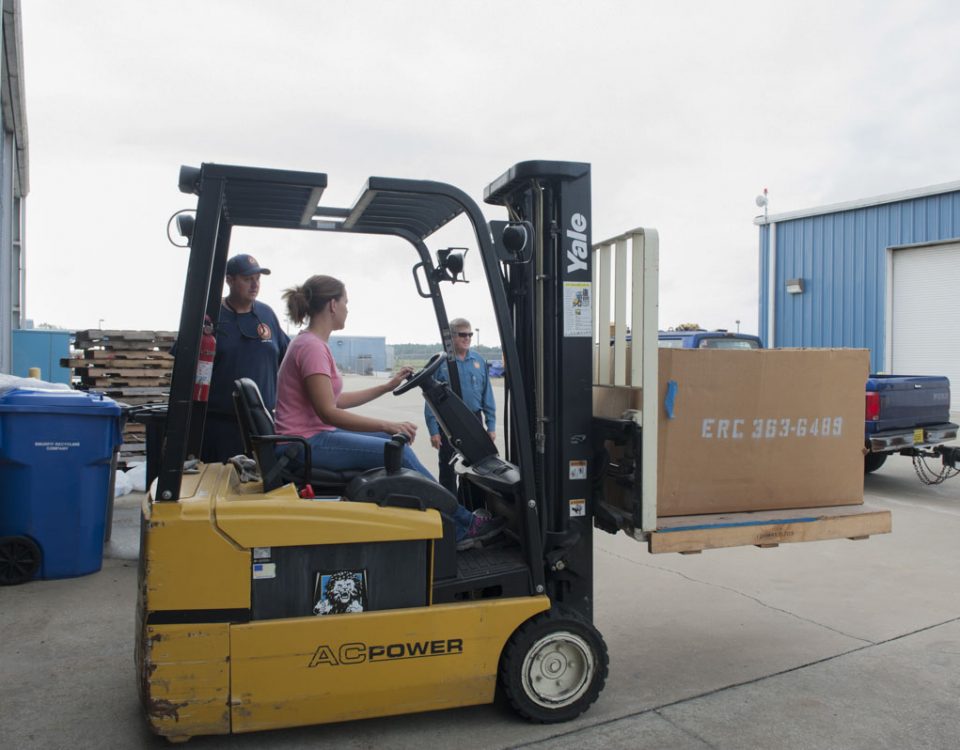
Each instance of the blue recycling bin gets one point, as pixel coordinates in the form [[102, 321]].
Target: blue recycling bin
[[57, 462]]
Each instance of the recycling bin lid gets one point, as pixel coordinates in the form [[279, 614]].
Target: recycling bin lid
[[57, 401]]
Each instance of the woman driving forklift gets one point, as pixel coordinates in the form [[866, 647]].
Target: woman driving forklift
[[311, 401]]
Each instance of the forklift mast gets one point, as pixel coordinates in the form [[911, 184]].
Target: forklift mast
[[552, 321]]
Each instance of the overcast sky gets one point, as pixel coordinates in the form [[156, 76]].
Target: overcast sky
[[686, 111]]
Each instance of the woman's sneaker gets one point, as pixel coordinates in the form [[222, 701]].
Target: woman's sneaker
[[482, 528]]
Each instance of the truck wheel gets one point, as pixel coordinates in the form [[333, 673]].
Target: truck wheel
[[873, 461], [553, 667], [19, 560]]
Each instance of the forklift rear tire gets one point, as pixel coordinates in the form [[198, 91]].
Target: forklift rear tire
[[19, 560], [873, 461], [554, 667]]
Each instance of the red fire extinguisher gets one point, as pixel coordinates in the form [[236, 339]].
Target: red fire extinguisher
[[208, 351]]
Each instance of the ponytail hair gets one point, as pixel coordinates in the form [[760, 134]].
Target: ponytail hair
[[311, 297]]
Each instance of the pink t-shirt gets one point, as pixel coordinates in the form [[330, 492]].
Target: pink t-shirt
[[308, 354]]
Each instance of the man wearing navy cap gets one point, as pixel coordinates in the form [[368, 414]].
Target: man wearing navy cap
[[250, 344]]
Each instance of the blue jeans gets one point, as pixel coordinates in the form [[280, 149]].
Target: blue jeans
[[342, 449]]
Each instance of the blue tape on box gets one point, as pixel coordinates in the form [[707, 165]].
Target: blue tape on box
[[670, 398]]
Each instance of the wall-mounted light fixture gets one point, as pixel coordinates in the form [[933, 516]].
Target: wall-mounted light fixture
[[794, 286]]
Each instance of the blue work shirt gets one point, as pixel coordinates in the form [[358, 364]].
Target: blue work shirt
[[477, 392], [249, 345]]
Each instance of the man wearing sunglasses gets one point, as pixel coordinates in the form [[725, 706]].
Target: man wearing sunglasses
[[251, 345], [477, 393]]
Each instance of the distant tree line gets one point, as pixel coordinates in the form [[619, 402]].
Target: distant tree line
[[417, 354]]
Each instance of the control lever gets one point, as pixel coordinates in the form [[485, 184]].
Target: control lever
[[393, 453]]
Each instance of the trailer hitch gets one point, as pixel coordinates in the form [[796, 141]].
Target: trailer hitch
[[948, 454]]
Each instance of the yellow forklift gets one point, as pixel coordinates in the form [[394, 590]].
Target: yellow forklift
[[259, 608], [309, 596]]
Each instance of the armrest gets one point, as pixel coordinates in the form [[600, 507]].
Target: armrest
[[280, 440]]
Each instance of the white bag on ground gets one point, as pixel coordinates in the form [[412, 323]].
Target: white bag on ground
[[122, 485], [137, 476]]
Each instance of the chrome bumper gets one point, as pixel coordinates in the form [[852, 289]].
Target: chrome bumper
[[894, 440]]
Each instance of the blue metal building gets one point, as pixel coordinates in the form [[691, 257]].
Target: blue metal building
[[361, 355], [42, 348], [880, 273], [14, 180]]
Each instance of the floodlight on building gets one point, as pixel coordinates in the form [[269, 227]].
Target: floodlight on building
[[762, 202]]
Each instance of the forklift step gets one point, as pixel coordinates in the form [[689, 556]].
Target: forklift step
[[485, 573]]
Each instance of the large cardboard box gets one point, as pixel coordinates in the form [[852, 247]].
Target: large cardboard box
[[760, 429], [611, 401]]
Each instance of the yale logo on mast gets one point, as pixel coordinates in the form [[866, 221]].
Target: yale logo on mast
[[578, 252]]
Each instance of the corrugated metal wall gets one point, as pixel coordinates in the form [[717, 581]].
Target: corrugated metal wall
[[43, 348], [843, 261], [359, 354], [14, 178]]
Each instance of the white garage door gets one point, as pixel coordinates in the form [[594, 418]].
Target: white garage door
[[925, 327]]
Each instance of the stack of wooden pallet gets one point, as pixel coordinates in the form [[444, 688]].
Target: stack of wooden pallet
[[132, 367]]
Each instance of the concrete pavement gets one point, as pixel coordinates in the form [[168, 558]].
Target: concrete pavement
[[835, 644]]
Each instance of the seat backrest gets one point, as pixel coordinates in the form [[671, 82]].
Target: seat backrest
[[255, 421], [253, 412]]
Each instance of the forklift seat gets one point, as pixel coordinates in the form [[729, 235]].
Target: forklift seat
[[260, 440]]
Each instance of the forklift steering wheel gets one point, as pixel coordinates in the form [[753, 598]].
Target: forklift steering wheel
[[419, 378]]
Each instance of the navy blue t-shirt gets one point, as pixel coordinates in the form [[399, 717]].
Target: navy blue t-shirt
[[249, 345]]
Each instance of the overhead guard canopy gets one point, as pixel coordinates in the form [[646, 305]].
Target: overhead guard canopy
[[417, 207], [291, 200], [261, 197]]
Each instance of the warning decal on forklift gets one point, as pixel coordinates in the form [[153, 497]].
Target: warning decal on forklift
[[578, 507], [264, 570], [261, 553], [578, 469], [577, 309]]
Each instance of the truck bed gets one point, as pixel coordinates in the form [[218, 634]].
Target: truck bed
[[691, 534]]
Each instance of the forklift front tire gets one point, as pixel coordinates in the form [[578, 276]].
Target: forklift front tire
[[554, 667]]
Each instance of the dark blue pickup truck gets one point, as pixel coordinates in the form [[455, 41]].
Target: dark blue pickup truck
[[906, 414], [708, 340]]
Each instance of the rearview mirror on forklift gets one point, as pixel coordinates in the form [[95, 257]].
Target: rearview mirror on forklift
[[185, 224], [513, 240], [185, 221]]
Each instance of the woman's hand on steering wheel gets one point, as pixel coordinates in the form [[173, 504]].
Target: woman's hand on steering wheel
[[433, 364], [403, 374]]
